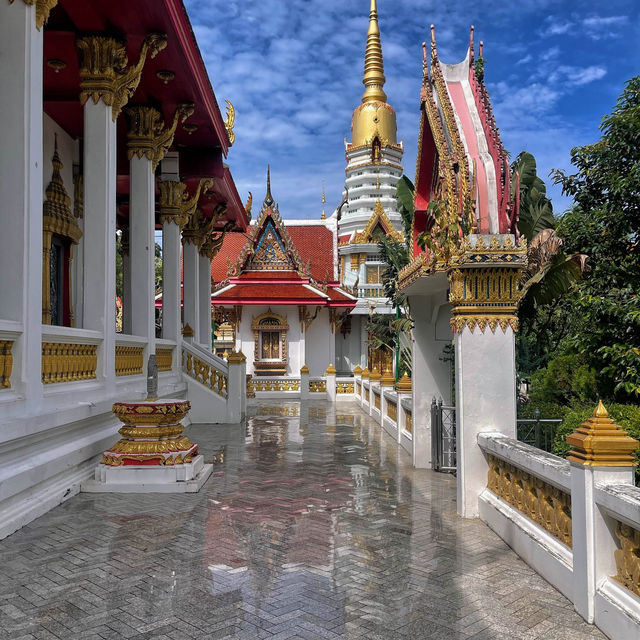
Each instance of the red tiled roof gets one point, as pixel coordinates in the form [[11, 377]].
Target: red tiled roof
[[313, 242], [256, 293], [338, 295]]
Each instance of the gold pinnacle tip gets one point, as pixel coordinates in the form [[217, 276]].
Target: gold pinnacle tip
[[600, 411]]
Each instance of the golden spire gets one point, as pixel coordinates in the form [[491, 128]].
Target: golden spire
[[373, 78]]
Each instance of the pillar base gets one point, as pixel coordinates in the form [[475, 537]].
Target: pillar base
[[153, 455]]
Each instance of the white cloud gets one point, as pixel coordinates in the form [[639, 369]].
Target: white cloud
[[577, 76]]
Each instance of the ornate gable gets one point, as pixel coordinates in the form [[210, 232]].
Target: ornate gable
[[270, 253], [269, 246], [378, 221]]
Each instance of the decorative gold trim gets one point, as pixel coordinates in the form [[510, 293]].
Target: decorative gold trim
[[317, 386], [344, 387], [404, 384], [148, 137], [366, 373], [187, 331], [129, 360], [68, 362], [539, 501], [379, 216], [387, 379], [6, 363], [600, 442], [43, 9], [358, 370], [392, 410], [207, 375], [57, 219], [408, 421], [164, 357], [331, 371], [627, 558], [103, 69], [304, 370], [230, 122]]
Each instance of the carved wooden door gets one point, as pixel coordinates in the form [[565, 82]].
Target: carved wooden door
[[270, 345]]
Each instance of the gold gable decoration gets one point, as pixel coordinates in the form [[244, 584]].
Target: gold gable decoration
[[379, 217], [270, 256], [269, 211]]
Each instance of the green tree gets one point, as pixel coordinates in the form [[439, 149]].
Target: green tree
[[605, 224], [391, 331]]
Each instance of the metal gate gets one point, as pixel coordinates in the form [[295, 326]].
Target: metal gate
[[443, 436]]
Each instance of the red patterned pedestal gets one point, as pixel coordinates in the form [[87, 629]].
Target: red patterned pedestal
[[152, 455]]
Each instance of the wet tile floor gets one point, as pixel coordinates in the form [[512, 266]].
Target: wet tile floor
[[313, 526]]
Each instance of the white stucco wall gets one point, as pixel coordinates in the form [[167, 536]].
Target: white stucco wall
[[320, 344], [245, 337]]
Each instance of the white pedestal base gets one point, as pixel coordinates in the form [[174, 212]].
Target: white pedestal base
[[182, 478]]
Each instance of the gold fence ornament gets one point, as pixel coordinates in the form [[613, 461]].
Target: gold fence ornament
[[331, 371], [129, 360], [304, 370], [357, 371], [539, 501], [164, 356], [387, 379], [600, 442], [68, 362], [404, 384], [628, 558], [6, 363]]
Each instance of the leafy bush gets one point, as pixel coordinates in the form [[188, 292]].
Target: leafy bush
[[565, 380]]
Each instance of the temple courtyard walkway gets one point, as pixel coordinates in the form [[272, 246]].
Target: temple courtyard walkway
[[313, 525]]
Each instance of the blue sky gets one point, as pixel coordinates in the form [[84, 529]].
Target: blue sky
[[293, 70]]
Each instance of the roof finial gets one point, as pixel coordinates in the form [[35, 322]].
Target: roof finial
[[268, 199], [373, 78], [471, 45], [480, 49], [324, 215]]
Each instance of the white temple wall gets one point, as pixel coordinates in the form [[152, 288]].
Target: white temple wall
[[431, 377], [348, 348], [245, 339], [320, 344]]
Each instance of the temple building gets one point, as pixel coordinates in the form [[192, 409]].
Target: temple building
[[464, 284], [369, 208], [277, 297], [110, 132]]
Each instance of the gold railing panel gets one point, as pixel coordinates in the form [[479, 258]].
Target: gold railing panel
[[284, 384], [408, 421], [376, 400], [164, 357], [344, 387], [539, 501], [67, 362], [358, 388], [317, 386], [392, 410], [129, 360], [205, 374], [628, 558], [6, 363]]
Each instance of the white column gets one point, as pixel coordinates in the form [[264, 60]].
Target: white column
[[190, 288], [204, 300], [236, 388], [364, 338], [171, 320], [431, 376], [142, 250], [485, 401], [21, 61], [330, 375], [100, 231]]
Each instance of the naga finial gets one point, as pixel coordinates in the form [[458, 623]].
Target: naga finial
[[230, 122]]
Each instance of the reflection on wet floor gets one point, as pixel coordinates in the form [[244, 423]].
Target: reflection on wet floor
[[313, 525]]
